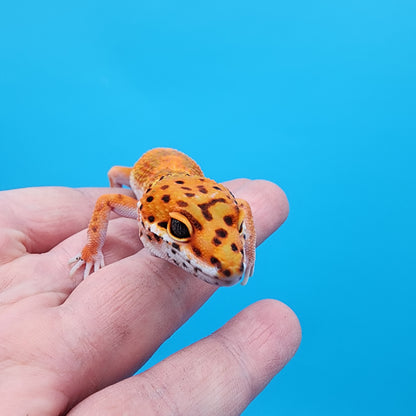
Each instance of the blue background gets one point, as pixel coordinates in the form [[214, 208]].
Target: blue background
[[318, 97]]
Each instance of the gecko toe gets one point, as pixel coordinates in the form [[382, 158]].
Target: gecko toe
[[87, 270], [78, 263]]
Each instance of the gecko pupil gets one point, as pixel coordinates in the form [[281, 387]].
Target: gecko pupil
[[178, 229]]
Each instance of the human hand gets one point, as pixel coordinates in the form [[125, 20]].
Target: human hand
[[65, 344]]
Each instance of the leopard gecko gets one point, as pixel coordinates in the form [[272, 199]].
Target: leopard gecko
[[183, 217]]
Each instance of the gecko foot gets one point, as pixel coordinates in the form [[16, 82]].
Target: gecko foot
[[96, 261]]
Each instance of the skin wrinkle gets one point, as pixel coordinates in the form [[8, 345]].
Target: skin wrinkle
[[258, 340], [81, 354], [45, 395], [28, 365], [118, 331], [164, 276], [13, 245], [18, 286], [158, 392], [186, 397], [235, 352], [178, 283]]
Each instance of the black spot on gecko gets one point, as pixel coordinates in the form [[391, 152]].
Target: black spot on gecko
[[202, 189], [164, 186], [149, 199], [149, 237], [216, 241], [234, 247], [215, 261], [221, 233], [156, 237], [228, 219], [186, 188], [151, 218], [94, 229], [197, 251], [182, 204], [166, 198], [227, 273], [163, 224], [189, 194], [177, 246], [180, 182], [217, 188]]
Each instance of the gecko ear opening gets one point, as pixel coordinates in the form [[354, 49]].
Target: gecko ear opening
[[179, 227]]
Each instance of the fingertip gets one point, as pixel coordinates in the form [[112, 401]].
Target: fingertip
[[276, 197]]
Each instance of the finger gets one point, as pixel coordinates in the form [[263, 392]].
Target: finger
[[43, 217], [50, 272], [133, 305], [267, 201], [219, 375]]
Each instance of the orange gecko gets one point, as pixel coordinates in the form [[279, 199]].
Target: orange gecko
[[183, 217]]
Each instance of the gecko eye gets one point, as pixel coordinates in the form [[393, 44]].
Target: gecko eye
[[179, 227]]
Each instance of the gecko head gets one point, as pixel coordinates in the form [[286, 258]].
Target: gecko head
[[196, 224]]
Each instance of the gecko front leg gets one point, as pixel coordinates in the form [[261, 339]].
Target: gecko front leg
[[91, 255]]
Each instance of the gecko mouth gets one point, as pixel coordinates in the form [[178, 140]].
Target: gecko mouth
[[215, 275], [216, 280], [201, 271]]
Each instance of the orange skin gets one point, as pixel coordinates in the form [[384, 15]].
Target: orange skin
[[183, 217]]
